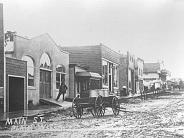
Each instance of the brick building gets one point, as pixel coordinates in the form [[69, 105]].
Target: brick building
[[47, 65], [99, 59], [127, 73]]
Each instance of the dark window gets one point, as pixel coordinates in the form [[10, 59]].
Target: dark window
[[60, 75]]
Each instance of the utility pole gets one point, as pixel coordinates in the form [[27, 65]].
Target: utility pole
[[2, 59]]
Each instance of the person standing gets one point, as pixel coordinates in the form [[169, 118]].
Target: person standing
[[62, 90]]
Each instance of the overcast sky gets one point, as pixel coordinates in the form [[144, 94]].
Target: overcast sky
[[150, 29]]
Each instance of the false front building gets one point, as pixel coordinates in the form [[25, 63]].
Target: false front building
[[102, 64]]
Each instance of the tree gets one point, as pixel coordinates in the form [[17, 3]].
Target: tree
[[181, 84], [163, 74]]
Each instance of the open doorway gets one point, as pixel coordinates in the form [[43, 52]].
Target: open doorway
[[16, 93], [110, 83]]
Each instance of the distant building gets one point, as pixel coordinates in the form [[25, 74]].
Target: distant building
[[151, 74], [171, 84], [127, 73], [99, 59], [139, 65]]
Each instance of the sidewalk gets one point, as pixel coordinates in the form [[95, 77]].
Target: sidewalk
[[138, 95]]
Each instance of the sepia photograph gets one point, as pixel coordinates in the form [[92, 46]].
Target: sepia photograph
[[91, 69]]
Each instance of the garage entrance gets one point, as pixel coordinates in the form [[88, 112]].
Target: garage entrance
[[16, 93]]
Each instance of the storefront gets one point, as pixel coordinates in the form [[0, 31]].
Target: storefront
[[87, 81], [82, 81], [16, 85], [99, 59]]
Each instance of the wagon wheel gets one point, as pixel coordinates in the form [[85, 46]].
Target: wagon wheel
[[115, 106], [99, 111], [76, 109], [102, 110], [99, 108]]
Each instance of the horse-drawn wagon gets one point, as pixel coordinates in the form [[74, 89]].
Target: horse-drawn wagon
[[96, 103]]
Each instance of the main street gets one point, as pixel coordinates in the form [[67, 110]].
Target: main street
[[161, 116]]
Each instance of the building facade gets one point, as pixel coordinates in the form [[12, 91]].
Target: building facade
[[151, 75], [99, 59], [1, 59], [16, 85], [82, 82], [47, 65], [13, 78], [127, 74], [139, 65]]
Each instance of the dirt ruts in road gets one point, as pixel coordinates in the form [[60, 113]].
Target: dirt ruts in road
[[161, 116]]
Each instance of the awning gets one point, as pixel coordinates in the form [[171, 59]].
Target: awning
[[156, 81], [88, 74]]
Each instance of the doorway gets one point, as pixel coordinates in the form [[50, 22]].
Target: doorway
[[133, 81], [16, 93], [45, 84], [110, 83]]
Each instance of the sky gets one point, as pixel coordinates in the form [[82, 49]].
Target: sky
[[150, 29]]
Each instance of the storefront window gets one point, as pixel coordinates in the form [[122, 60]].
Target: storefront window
[[94, 84], [115, 81], [60, 75], [105, 73], [30, 70]]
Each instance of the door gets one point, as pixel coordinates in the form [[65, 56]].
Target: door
[[45, 84], [110, 83], [16, 94], [132, 81]]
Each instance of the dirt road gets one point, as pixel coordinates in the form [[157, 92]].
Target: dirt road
[[161, 116]]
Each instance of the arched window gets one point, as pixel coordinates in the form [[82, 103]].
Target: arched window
[[30, 70], [45, 61], [60, 75]]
